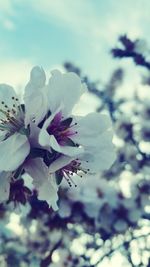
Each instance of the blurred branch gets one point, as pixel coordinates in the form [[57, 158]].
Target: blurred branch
[[128, 50], [46, 262]]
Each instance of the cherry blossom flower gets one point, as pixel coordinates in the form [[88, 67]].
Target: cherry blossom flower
[[81, 144], [19, 138], [42, 137]]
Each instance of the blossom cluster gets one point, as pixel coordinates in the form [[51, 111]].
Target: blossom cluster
[[41, 137]]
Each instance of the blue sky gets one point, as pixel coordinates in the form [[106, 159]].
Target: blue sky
[[49, 32]]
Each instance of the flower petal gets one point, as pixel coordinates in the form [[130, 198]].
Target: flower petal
[[13, 151], [35, 96], [100, 157], [49, 141], [4, 186], [48, 191], [44, 137], [43, 182], [37, 78], [90, 127], [66, 150], [37, 169], [64, 89], [59, 163]]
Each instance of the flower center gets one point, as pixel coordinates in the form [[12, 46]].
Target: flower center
[[73, 168], [62, 129], [11, 117]]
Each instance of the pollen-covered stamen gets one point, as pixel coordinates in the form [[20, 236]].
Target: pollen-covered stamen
[[73, 168], [12, 116], [62, 129]]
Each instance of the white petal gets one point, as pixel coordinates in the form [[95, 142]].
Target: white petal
[[71, 150], [54, 144], [36, 107], [35, 96], [99, 159], [59, 163], [66, 150], [4, 186], [90, 127], [37, 80], [37, 169], [44, 138], [13, 151], [64, 89], [48, 191]]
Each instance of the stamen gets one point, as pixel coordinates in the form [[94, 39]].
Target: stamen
[[72, 125], [12, 119]]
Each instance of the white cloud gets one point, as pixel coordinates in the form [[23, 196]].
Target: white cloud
[[88, 18], [8, 24], [7, 11]]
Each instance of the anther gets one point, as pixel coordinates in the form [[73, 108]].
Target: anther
[[14, 111]]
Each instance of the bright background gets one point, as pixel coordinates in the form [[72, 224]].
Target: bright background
[[50, 32]]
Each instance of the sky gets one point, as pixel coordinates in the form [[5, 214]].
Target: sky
[[51, 32]]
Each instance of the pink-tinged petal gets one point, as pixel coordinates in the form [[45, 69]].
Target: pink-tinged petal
[[4, 186], [51, 117], [14, 151], [64, 89]]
